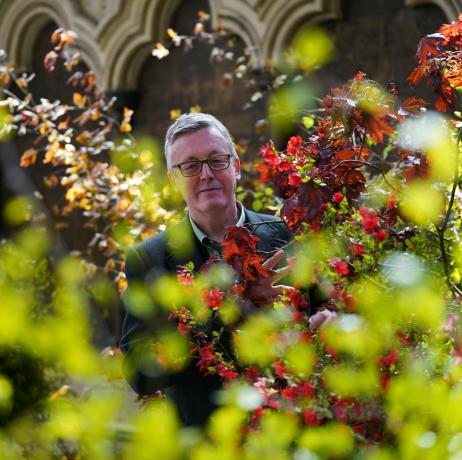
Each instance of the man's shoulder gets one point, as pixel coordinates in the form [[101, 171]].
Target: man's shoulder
[[163, 248], [253, 217], [266, 220], [152, 244], [271, 230], [142, 256]]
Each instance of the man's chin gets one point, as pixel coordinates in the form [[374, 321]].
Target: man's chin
[[212, 205]]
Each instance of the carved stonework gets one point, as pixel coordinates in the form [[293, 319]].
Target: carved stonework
[[115, 36], [91, 9]]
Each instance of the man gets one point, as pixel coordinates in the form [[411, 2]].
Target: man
[[202, 163]]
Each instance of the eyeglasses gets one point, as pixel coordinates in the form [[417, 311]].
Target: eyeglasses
[[193, 168]]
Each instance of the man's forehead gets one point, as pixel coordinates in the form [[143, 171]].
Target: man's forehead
[[207, 140]]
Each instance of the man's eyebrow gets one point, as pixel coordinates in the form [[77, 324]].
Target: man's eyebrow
[[210, 154]]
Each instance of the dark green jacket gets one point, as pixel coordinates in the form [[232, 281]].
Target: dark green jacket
[[191, 391]]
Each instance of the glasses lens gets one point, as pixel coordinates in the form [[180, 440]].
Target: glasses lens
[[218, 163], [191, 168]]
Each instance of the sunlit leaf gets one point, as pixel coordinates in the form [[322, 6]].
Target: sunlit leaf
[[300, 358], [255, 341], [18, 210], [422, 203], [287, 103], [329, 441], [224, 425], [312, 48]]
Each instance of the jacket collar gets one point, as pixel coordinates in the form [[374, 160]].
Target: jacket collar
[[183, 245]]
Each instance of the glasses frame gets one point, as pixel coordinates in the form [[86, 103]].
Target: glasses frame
[[179, 165]]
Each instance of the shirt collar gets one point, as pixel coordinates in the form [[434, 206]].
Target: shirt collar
[[203, 238]]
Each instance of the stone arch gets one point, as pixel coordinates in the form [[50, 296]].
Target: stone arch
[[241, 19], [451, 8], [23, 22], [284, 18], [134, 34]]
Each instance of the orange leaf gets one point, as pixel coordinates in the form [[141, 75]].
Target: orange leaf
[[418, 73], [29, 157], [125, 127], [174, 114], [60, 393], [429, 46], [413, 104], [79, 99]]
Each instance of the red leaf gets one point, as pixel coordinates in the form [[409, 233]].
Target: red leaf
[[413, 105], [453, 31], [240, 251], [441, 105], [418, 73], [377, 126], [306, 205], [429, 46]]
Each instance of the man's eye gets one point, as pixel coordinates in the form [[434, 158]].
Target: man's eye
[[189, 167], [217, 163]]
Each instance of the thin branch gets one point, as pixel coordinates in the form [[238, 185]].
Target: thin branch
[[441, 230], [264, 222], [363, 141]]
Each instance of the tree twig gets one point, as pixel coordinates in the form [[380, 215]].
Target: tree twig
[[441, 230]]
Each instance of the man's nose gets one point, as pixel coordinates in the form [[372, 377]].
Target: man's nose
[[206, 171]]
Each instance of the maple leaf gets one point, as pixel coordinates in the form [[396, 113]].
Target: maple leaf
[[306, 205], [240, 251], [414, 105], [452, 32], [441, 105], [429, 46], [418, 73], [377, 126]]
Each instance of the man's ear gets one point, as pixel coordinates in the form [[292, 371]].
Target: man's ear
[[237, 167]]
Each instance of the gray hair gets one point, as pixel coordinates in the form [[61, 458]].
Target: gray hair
[[191, 122]]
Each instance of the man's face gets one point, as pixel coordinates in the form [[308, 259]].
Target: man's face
[[210, 190]]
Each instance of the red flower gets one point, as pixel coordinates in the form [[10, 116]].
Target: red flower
[[184, 276], [341, 266], [385, 380], [228, 374], [370, 219], [289, 393], [213, 298], [295, 143], [306, 390], [296, 299], [349, 301], [388, 360], [295, 180], [280, 369], [358, 249], [380, 234], [310, 417], [337, 197], [206, 358], [183, 329], [252, 374]]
